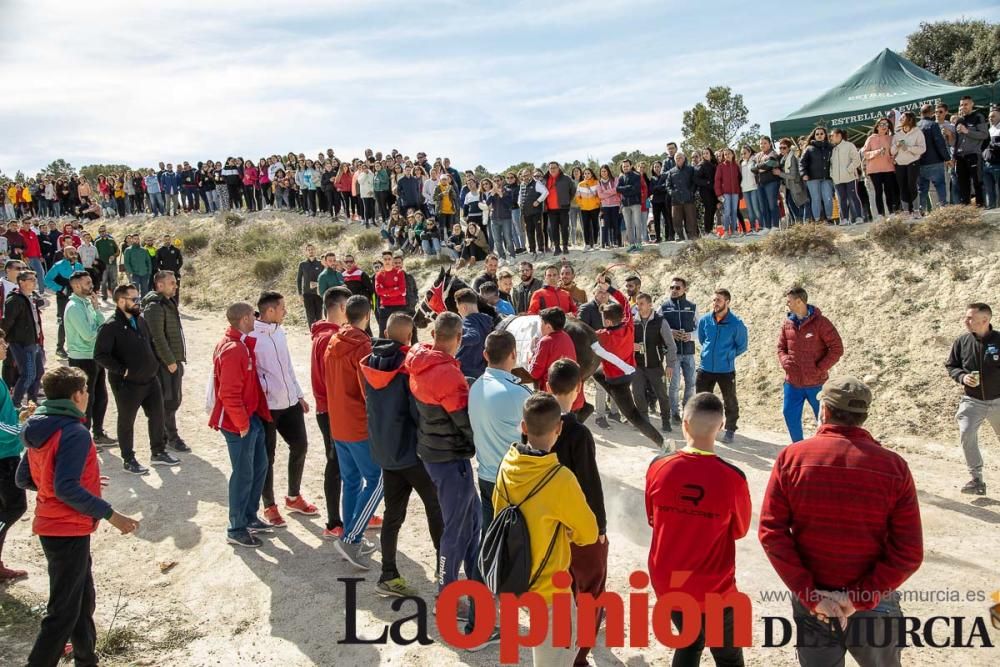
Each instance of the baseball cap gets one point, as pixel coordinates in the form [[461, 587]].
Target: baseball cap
[[847, 393]]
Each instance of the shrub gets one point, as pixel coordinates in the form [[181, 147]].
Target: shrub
[[255, 239], [267, 269], [330, 233], [950, 224], [195, 241], [705, 250], [802, 240], [232, 219], [369, 240]]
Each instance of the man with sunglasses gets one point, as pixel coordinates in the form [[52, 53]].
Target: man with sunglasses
[[124, 348], [971, 130], [682, 315]]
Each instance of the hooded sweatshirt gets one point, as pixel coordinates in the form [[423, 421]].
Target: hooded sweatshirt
[[345, 398], [321, 333], [442, 395], [475, 328], [274, 366], [392, 412], [61, 465], [10, 426], [559, 509]]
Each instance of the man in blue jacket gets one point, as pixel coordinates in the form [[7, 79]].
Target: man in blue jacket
[[168, 186], [476, 327], [57, 280], [722, 337], [932, 161]]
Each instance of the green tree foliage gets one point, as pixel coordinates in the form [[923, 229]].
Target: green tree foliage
[[963, 52], [91, 171], [519, 166], [722, 120], [58, 169]]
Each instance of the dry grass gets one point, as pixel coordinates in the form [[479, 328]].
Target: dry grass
[[705, 250], [368, 240], [801, 241], [195, 242], [950, 224], [267, 269]]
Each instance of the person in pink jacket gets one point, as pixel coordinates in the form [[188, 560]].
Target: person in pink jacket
[[611, 205], [881, 168], [251, 180]]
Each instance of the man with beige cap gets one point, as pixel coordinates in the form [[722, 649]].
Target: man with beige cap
[[841, 526]]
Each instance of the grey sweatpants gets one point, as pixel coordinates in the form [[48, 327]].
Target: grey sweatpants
[[971, 414]]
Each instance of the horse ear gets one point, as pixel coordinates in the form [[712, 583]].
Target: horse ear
[[440, 277]]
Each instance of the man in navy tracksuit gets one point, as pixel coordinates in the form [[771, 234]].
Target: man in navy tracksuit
[[476, 327], [682, 315], [722, 337], [392, 434]]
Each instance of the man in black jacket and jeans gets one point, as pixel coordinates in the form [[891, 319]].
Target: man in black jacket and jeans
[[654, 345], [169, 258], [124, 348], [306, 284], [974, 363], [392, 434]]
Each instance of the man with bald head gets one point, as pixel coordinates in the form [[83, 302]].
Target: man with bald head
[[698, 505]]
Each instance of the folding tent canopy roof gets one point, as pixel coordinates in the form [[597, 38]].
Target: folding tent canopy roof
[[887, 82]]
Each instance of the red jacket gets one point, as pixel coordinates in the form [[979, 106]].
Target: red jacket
[[727, 179], [808, 351], [31, 245], [618, 340], [551, 297], [343, 182], [321, 332], [238, 395], [698, 505], [555, 346], [390, 286], [840, 513], [345, 394]]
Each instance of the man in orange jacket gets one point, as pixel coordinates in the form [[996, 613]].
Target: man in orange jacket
[[361, 477], [551, 295]]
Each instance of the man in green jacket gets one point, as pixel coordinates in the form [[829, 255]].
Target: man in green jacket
[[82, 319], [138, 264], [13, 501], [160, 312], [330, 277], [107, 252]]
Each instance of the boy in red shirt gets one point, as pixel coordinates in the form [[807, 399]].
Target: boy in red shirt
[[698, 505], [615, 375], [554, 344]]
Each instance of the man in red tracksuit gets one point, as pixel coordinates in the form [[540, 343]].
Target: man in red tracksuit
[[698, 505], [808, 347], [551, 295], [618, 338], [390, 288], [554, 344], [335, 306], [841, 525], [238, 412], [33, 252]]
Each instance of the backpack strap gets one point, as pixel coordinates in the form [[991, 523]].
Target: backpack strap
[[545, 560], [538, 487]]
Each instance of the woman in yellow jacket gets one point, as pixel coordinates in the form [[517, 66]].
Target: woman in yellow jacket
[[556, 515], [590, 209]]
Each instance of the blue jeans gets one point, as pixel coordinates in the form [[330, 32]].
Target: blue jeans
[[156, 203], [515, 216], [36, 265], [30, 362], [767, 200], [821, 196], [503, 237], [431, 246], [795, 399], [362, 490], [685, 365], [991, 184], [931, 173], [850, 203], [730, 204], [248, 457], [141, 282], [753, 207]]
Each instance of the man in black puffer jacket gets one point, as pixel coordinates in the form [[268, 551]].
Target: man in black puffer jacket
[[124, 348], [392, 434]]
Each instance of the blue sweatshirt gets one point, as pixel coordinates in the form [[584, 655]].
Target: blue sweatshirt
[[475, 328], [57, 278], [721, 342]]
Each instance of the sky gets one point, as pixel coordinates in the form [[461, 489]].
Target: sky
[[482, 83]]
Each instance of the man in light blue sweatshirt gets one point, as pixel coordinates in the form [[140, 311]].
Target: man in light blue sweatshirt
[[155, 193], [496, 406]]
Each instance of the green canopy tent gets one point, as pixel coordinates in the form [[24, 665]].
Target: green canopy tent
[[887, 82]]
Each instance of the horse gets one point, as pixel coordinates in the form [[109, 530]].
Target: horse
[[526, 329]]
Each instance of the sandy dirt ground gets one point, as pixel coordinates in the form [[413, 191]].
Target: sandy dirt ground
[[283, 604]]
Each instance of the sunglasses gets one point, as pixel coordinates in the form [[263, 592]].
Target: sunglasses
[[673, 287]]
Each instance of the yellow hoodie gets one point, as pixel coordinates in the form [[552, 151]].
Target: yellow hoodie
[[559, 505]]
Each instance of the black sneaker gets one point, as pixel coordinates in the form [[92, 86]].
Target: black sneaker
[[616, 416], [258, 526], [975, 487], [164, 459], [102, 438], [179, 445], [602, 422], [62, 354], [134, 467], [493, 639], [666, 427], [675, 418], [727, 437], [244, 539]]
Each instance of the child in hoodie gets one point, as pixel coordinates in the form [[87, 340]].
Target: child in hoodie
[[575, 449], [557, 516], [392, 432], [476, 327], [554, 344], [61, 466]]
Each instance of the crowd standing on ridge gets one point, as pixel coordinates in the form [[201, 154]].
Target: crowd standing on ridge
[[459, 420]]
